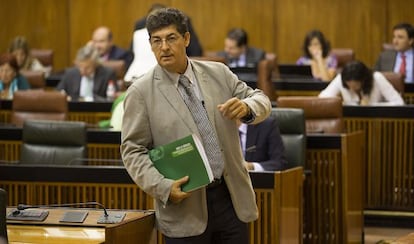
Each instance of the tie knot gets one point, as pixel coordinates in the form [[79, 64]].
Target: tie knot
[[184, 81]]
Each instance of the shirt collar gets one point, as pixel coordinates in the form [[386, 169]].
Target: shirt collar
[[243, 128], [189, 73]]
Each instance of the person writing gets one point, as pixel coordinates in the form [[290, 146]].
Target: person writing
[[358, 85], [179, 97], [316, 54]]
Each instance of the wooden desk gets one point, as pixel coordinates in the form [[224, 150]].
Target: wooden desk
[[279, 194], [137, 227]]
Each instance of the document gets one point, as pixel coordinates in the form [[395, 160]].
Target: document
[[183, 157]]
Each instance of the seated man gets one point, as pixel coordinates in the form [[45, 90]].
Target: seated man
[[237, 52], [88, 81], [102, 41], [401, 59], [262, 146]]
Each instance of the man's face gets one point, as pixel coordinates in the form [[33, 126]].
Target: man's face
[[101, 41], [231, 48], [168, 46], [401, 41], [86, 67]]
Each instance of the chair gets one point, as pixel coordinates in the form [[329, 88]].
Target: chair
[[3, 223], [343, 55], [45, 56], [36, 79], [291, 122], [38, 104], [265, 71], [53, 142], [322, 115], [396, 80], [117, 65], [388, 47]]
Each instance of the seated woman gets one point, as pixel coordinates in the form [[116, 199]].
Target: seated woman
[[20, 48], [10, 79], [316, 54], [358, 85]]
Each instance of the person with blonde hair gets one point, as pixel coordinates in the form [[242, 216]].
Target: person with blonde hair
[[19, 47]]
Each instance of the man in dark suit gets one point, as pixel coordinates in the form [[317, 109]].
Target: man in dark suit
[[87, 81], [194, 49], [179, 97], [401, 59], [102, 41], [237, 52], [262, 146]]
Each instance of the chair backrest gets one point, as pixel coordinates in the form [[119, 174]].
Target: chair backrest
[[45, 56], [265, 70], [36, 79], [38, 104], [396, 80], [343, 55], [53, 142], [3, 223], [322, 115], [210, 58], [291, 122], [118, 66]]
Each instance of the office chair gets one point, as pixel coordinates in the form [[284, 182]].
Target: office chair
[[291, 122], [3, 223], [343, 55], [53, 142], [45, 56], [322, 115], [38, 104], [36, 79]]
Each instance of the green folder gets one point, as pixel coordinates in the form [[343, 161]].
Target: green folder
[[185, 156]]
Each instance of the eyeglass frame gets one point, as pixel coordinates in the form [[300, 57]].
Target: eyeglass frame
[[171, 39]]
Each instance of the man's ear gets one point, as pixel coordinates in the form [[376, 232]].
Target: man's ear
[[187, 39]]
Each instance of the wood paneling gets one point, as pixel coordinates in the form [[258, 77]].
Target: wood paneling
[[274, 25], [43, 22]]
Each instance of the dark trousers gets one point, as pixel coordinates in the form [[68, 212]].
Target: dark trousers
[[223, 226]]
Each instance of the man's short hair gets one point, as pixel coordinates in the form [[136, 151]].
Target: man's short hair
[[165, 17], [87, 52], [407, 27], [239, 35]]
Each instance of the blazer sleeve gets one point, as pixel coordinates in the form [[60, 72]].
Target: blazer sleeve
[[333, 89], [391, 96]]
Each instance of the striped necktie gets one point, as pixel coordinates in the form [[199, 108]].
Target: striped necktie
[[207, 133]]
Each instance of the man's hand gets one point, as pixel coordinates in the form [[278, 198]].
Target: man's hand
[[176, 195], [234, 109], [249, 166]]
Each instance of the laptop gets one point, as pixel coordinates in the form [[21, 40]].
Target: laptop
[[295, 71], [247, 74]]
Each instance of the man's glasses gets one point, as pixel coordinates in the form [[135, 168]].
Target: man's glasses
[[157, 42]]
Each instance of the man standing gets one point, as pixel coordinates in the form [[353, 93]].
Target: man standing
[[401, 59], [179, 97], [102, 41]]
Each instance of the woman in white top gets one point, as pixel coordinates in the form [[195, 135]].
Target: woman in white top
[[358, 85]]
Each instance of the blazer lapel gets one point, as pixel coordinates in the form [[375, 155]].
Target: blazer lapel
[[202, 79]]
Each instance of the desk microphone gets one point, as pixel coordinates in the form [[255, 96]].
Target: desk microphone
[[106, 218], [21, 207]]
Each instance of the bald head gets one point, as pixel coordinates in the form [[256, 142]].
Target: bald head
[[102, 40]]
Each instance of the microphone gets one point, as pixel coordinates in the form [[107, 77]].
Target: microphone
[[106, 218]]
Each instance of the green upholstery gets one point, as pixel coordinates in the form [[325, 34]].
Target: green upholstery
[[291, 122]]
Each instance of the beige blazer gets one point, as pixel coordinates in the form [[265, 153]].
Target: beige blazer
[[155, 114]]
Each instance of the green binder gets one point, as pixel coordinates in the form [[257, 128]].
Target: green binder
[[183, 157]]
